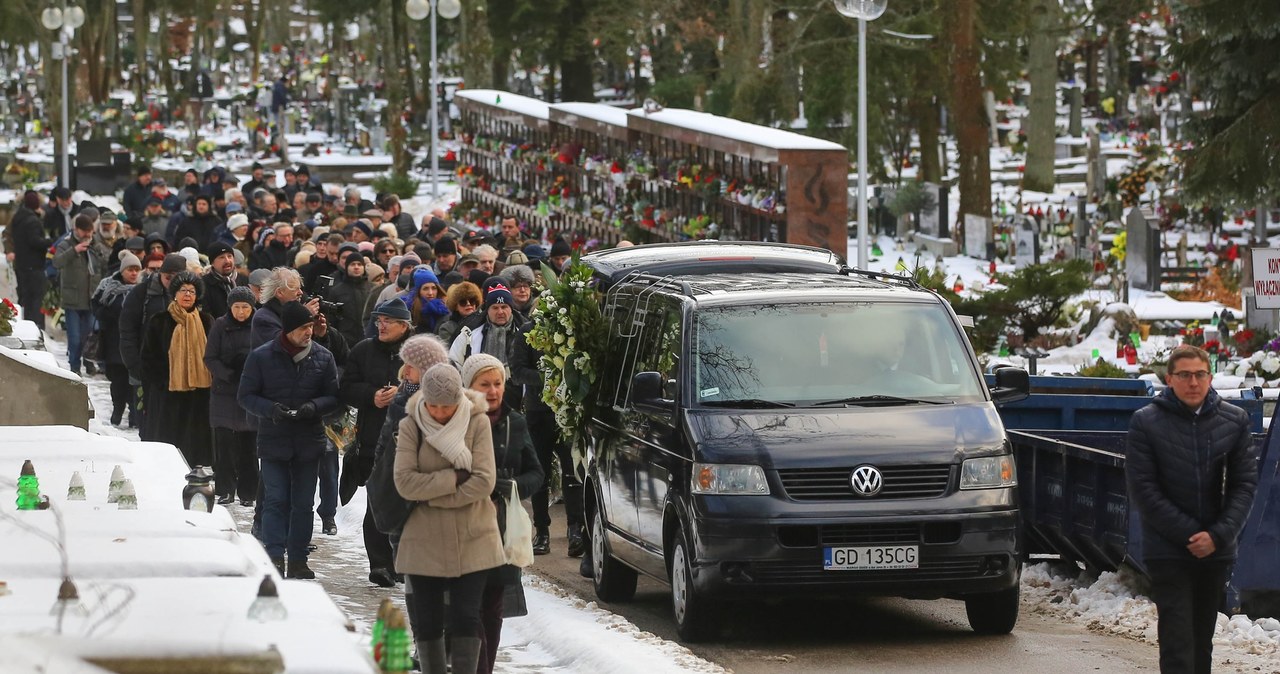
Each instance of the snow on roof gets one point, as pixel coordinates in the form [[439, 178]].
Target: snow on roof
[[733, 129], [507, 101], [597, 111]]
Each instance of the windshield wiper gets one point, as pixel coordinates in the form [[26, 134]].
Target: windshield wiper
[[881, 400], [747, 403]]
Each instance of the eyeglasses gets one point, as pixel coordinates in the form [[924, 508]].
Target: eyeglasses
[[521, 286], [184, 291], [1184, 376]]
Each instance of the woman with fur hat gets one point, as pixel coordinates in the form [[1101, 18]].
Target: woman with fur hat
[[516, 464], [463, 301], [450, 543], [172, 365]]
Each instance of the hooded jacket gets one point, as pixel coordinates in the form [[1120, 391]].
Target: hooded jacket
[[1188, 472], [429, 315]]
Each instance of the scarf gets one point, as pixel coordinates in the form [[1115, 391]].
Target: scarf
[[297, 353], [495, 340], [450, 439], [187, 371]]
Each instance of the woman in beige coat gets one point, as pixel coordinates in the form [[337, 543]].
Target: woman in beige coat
[[444, 462]]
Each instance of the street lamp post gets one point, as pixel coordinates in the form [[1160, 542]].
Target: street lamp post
[[65, 19], [419, 10], [863, 11]]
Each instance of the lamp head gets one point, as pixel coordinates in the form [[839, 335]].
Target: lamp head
[[51, 18], [448, 9], [417, 9], [74, 16], [868, 10]]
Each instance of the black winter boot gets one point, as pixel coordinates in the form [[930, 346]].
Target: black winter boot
[[465, 657]]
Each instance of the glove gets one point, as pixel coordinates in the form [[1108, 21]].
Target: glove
[[307, 410], [502, 487], [279, 413], [462, 475]]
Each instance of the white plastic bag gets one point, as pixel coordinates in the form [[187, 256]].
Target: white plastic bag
[[518, 545]]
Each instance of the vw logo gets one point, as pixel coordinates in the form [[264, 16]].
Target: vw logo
[[866, 481]]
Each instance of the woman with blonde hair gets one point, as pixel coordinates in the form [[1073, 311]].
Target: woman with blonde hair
[[463, 300], [450, 543]]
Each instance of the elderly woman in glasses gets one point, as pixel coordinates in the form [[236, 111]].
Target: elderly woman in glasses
[[462, 300], [172, 364]]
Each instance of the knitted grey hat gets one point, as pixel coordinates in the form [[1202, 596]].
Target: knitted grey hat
[[441, 385], [424, 351], [476, 364]]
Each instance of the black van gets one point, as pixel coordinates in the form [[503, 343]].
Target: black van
[[788, 434]]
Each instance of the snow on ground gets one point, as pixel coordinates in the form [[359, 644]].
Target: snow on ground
[[1113, 604]]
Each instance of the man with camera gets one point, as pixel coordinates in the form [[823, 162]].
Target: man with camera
[[369, 383], [290, 384]]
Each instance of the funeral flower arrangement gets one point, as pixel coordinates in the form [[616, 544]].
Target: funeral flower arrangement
[[570, 333], [8, 312]]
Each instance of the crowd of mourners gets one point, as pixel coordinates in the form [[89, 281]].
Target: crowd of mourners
[[247, 324]]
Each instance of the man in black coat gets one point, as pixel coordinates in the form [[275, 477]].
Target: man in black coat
[[290, 384], [60, 213], [137, 194], [221, 279], [30, 245], [1191, 474], [199, 225], [369, 384]]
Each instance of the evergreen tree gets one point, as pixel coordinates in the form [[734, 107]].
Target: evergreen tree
[[1231, 52]]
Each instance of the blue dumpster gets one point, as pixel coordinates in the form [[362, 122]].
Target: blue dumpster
[[1075, 505], [1093, 404]]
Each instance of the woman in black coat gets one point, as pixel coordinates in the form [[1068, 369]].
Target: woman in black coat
[[235, 437], [172, 364], [107, 302], [516, 463]]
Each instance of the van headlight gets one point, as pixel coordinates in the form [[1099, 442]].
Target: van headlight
[[988, 472], [728, 478]]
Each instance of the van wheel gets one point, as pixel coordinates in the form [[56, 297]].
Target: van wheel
[[614, 581], [693, 614], [993, 612]]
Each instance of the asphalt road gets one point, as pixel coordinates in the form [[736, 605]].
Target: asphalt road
[[870, 635]]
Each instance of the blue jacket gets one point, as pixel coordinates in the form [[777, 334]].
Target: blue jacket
[[1188, 472], [270, 376]]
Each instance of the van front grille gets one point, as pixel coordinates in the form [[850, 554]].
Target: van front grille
[[833, 484]]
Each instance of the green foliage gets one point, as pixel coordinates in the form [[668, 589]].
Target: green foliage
[[1032, 298], [1235, 65], [1103, 369], [399, 184], [676, 92], [912, 197]]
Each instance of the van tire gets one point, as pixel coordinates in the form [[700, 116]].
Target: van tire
[[613, 580], [693, 613], [993, 612]]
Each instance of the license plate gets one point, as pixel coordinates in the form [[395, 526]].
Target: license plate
[[871, 557]]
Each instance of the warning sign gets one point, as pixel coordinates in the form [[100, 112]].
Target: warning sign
[[1266, 277]]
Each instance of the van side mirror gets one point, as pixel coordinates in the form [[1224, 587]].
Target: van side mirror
[[646, 394], [1012, 384]]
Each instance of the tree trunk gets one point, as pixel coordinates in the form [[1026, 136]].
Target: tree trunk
[[969, 113], [141, 30], [925, 111], [475, 45], [1042, 71], [395, 92], [254, 17]]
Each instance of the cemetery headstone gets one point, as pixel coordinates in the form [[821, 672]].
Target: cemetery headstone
[[1026, 242], [1142, 249], [977, 236]]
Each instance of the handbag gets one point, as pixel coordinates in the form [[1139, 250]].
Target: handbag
[[390, 510], [518, 544]]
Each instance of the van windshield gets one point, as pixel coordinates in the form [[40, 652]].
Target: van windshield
[[811, 353]]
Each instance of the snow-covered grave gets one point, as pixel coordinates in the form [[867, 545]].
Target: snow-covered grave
[[156, 582]]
